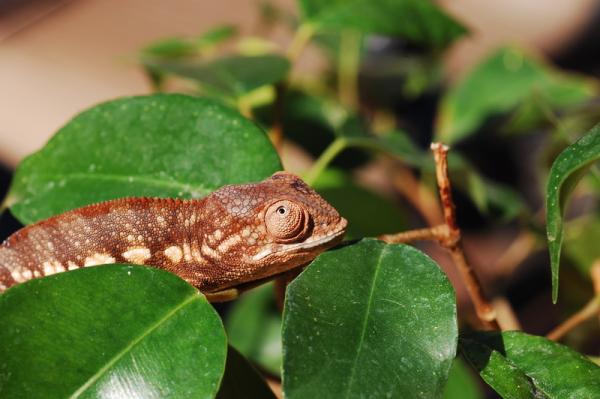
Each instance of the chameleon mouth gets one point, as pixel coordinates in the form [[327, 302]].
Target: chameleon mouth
[[334, 237]]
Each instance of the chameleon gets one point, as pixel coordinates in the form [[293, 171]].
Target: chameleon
[[236, 235]]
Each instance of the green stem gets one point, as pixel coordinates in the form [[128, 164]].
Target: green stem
[[337, 146], [348, 68], [301, 38]]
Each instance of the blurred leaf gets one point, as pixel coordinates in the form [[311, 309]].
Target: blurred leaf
[[395, 142], [215, 36], [171, 47], [568, 168], [461, 383], [500, 84], [419, 21], [109, 331], [159, 145], [368, 214], [518, 365], [241, 380], [581, 243], [231, 76], [181, 47], [369, 320], [253, 326]]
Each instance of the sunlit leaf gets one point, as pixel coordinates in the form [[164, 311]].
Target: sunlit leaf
[[109, 331], [369, 320], [160, 145]]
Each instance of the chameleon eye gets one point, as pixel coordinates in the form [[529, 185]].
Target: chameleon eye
[[286, 221]]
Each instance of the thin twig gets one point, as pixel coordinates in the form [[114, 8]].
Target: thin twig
[[516, 253], [483, 308], [348, 68], [507, 319], [450, 238], [588, 311], [591, 309], [336, 146], [435, 233]]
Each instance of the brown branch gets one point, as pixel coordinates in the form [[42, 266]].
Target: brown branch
[[450, 238], [588, 311], [591, 309]]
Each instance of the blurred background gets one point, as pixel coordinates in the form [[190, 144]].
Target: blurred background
[[61, 57]]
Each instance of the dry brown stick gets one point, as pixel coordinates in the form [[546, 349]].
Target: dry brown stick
[[591, 309], [450, 238], [483, 308]]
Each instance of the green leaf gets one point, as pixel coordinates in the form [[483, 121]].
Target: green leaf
[[253, 326], [241, 380], [160, 145], [110, 331], [518, 365], [419, 21], [216, 36], [368, 213], [568, 168], [461, 383], [501, 83], [231, 76], [369, 320]]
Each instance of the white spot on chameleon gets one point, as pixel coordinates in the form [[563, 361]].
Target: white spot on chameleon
[[72, 265], [208, 251], [52, 267], [174, 254], [218, 234], [187, 253], [137, 255], [98, 259], [18, 275], [228, 243]]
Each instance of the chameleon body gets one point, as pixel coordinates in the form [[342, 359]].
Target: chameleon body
[[235, 235]]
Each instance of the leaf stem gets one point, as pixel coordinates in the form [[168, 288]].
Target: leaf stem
[[336, 146], [301, 38], [591, 309], [348, 68]]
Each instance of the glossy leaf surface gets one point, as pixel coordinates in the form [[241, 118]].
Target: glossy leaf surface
[[160, 146], [369, 320], [567, 169], [109, 331], [518, 365]]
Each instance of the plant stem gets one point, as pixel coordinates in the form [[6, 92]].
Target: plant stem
[[348, 68], [301, 38], [588, 311], [591, 309], [449, 236], [336, 146]]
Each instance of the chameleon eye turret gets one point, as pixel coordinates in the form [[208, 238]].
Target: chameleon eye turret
[[237, 234], [287, 221]]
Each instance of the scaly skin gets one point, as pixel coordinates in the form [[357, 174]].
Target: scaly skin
[[236, 235]]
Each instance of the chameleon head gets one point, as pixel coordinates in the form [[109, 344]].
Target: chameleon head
[[278, 224]]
